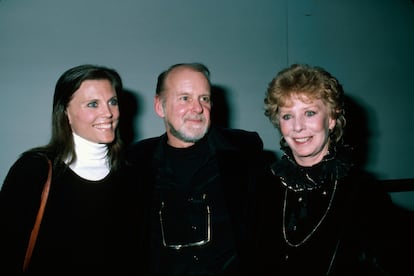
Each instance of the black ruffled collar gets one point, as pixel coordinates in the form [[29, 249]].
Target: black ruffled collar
[[335, 165]]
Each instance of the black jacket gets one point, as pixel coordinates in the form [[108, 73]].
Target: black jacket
[[239, 156]]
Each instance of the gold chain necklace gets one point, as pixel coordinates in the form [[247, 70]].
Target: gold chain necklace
[[317, 225]]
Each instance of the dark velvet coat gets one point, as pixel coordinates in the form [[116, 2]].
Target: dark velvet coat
[[349, 240], [239, 154]]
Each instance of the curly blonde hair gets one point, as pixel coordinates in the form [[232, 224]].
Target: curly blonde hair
[[309, 82]]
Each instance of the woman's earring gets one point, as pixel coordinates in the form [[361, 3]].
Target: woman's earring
[[282, 142]]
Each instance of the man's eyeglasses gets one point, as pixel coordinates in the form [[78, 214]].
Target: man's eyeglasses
[[178, 246]]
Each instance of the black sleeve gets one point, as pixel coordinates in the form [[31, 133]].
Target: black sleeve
[[19, 202]]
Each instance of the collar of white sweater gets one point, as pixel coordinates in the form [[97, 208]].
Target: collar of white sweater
[[91, 159]]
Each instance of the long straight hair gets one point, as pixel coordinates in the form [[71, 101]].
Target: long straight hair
[[61, 146]]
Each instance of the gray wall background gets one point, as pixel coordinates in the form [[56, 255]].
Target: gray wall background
[[367, 44]]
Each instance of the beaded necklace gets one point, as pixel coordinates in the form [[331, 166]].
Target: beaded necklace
[[317, 225]]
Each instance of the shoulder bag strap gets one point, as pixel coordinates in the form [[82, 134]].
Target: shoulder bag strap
[[35, 230]]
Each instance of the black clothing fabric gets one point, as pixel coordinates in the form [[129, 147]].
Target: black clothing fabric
[[330, 218], [77, 233], [219, 174]]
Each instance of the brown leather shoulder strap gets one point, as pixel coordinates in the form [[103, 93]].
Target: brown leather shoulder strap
[[36, 227]]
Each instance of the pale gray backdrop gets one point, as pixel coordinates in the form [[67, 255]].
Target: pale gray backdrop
[[367, 44]]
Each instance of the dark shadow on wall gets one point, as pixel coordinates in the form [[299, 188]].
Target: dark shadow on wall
[[221, 115], [130, 108], [220, 111], [359, 130]]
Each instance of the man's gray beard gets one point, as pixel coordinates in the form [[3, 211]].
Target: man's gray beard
[[179, 135]]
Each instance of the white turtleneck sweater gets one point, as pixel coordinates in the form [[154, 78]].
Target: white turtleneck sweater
[[91, 159]]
